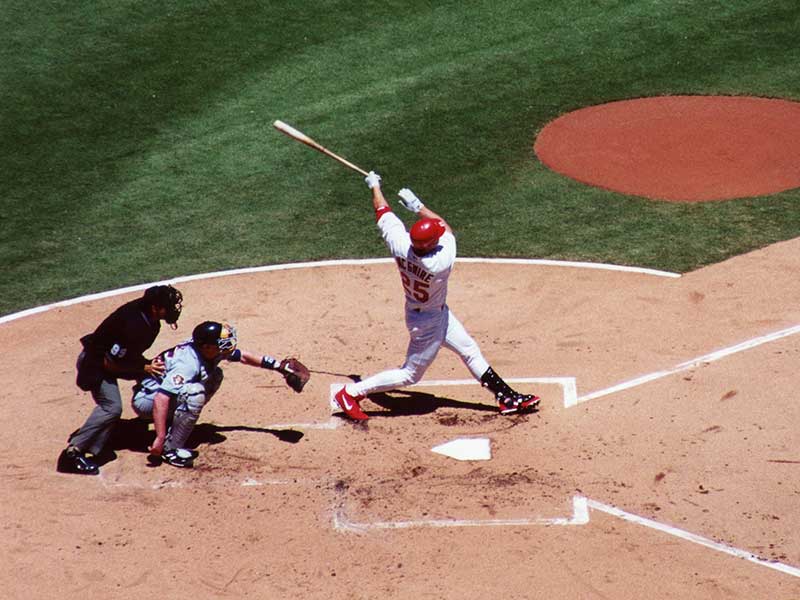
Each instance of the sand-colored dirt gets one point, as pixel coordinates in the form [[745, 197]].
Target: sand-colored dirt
[[283, 497]]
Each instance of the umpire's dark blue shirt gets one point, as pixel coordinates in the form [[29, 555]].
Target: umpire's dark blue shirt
[[123, 337]]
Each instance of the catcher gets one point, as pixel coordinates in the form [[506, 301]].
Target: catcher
[[192, 375]]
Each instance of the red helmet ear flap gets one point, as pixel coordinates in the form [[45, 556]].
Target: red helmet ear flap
[[426, 232]]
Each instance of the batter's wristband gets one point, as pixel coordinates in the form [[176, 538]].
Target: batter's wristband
[[379, 212], [267, 362]]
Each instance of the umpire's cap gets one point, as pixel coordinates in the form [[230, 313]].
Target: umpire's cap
[[165, 296]]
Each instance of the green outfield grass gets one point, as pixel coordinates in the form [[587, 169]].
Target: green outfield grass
[[137, 142]]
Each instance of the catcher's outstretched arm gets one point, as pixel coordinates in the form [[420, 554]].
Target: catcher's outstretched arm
[[254, 360], [294, 372]]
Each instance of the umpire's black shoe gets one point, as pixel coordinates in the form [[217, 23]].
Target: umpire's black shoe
[[72, 460]]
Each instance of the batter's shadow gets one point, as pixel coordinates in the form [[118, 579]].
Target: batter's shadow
[[411, 403], [135, 435]]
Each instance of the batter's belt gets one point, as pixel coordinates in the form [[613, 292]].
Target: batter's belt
[[428, 309]]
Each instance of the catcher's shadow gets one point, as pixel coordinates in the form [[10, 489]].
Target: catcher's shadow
[[411, 402], [209, 433], [135, 435]]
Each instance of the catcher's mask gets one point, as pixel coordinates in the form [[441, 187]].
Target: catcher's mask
[[221, 335], [425, 235], [167, 297]]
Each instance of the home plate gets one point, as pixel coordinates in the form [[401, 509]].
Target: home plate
[[465, 449]]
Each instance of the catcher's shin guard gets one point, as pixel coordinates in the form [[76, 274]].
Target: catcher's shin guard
[[191, 401], [182, 426]]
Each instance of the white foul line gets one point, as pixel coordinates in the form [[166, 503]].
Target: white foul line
[[694, 538], [690, 364]]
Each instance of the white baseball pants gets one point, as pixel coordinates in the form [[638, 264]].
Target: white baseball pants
[[428, 331]]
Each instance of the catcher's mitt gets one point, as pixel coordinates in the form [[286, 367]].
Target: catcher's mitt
[[295, 373]]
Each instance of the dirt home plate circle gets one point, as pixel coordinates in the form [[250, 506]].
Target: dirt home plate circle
[[679, 148]]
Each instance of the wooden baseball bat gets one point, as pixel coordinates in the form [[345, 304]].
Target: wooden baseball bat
[[303, 138]]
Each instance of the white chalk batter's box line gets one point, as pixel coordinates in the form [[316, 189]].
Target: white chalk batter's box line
[[580, 516], [570, 387], [567, 385]]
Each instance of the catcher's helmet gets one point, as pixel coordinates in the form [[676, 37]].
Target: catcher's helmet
[[165, 296], [425, 234], [221, 335]]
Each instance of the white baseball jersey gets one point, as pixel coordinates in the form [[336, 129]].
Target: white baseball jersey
[[429, 321], [424, 277]]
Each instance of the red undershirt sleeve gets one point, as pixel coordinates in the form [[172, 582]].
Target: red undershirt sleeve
[[379, 212]]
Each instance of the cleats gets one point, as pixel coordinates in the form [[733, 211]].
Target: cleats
[[350, 406], [517, 403], [72, 460], [178, 457]]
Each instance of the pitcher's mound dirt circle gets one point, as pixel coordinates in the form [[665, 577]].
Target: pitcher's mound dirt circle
[[679, 148]]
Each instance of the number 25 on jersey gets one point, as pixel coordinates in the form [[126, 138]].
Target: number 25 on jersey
[[415, 288]]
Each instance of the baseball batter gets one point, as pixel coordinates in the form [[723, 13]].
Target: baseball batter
[[425, 258], [175, 398]]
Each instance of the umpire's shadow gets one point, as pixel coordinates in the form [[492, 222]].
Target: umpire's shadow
[[135, 435], [411, 402]]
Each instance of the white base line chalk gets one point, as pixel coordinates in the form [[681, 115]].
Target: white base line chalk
[[694, 538], [691, 364]]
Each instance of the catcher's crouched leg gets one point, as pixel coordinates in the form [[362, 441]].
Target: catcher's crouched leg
[[192, 399]]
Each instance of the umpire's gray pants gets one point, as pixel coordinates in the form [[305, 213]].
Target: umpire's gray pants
[[93, 435]]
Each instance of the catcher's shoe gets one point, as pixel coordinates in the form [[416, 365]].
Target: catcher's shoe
[[517, 403], [72, 460], [178, 457], [349, 405]]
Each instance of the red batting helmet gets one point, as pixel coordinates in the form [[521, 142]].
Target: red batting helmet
[[425, 233]]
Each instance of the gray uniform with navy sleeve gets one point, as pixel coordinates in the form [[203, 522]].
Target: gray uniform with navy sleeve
[[189, 380]]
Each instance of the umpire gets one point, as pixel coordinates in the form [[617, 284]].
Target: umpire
[[115, 351]]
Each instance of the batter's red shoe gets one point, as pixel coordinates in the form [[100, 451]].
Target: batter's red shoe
[[349, 405], [518, 403]]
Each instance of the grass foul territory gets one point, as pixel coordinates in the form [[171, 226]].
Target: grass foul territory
[[137, 138]]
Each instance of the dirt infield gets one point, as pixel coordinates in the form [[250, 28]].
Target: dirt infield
[[662, 464], [679, 148], [656, 478]]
